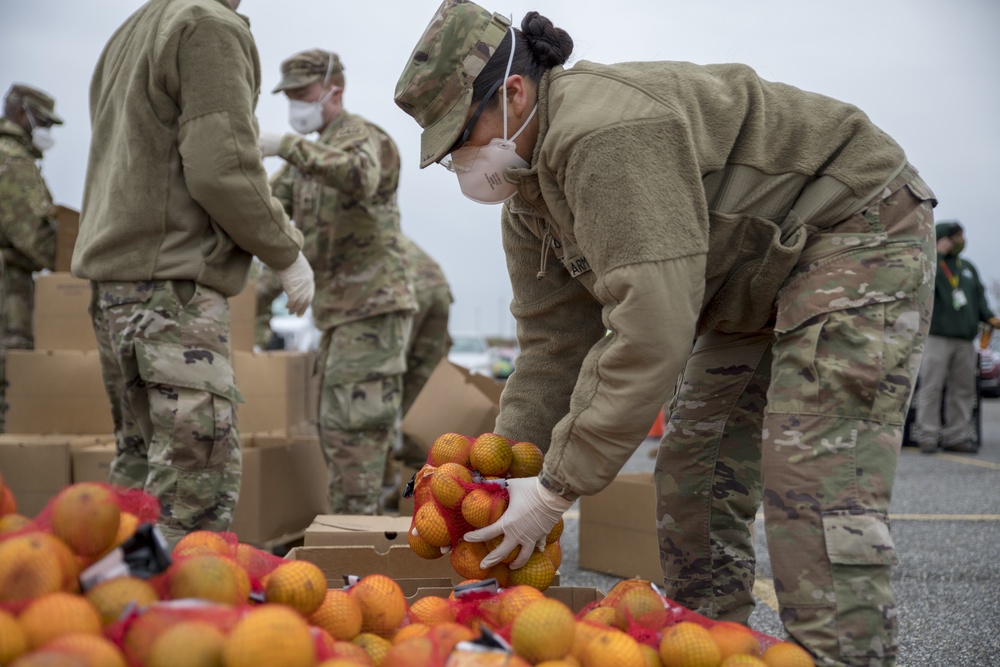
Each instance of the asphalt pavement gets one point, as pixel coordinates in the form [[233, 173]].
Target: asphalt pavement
[[945, 521]]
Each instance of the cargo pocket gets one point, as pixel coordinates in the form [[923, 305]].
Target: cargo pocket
[[858, 538], [748, 284], [368, 405]]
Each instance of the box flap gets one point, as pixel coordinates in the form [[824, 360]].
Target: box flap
[[380, 532], [455, 401], [397, 562]]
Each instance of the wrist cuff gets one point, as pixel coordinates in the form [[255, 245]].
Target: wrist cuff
[[559, 489]]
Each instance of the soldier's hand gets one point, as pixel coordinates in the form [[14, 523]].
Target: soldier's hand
[[297, 281], [269, 143]]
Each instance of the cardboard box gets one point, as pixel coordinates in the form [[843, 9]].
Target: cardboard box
[[284, 487], [93, 464], [56, 391], [618, 529], [273, 385], [66, 233], [453, 401], [36, 467], [61, 318], [398, 562], [381, 532], [62, 321]]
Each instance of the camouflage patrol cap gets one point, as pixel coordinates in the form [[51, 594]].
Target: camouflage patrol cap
[[309, 67], [436, 84], [42, 106]]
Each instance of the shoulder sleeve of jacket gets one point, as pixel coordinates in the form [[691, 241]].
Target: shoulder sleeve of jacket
[[218, 78], [349, 161], [24, 207]]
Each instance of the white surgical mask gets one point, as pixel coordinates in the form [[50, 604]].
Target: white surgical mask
[[480, 169], [42, 139], [306, 117]]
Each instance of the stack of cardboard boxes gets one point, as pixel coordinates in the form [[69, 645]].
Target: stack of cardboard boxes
[[59, 429]]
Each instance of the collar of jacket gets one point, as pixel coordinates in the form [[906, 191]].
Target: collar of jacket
[[333, 126], [225, 3], [529, 192], [9, 128]]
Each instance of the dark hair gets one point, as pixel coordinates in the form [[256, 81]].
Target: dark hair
[[540, 46]]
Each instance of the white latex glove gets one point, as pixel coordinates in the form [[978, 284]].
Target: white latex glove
[[532, 513], [269, 143], [297, 281]]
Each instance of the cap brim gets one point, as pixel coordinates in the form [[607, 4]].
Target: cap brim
[[441, 136], [55, 119], [292, 84]]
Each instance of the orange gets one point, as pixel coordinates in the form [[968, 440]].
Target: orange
[[127, 524], [465, 559], [602, 616], [554, 553], [13, 641], [495, 542], [8, 503], [376, 647], [688, 644], [86, 516], [409, 631], [431, 525], [447, 635], [641, 606], [556, 532], [476, 659], [338, 614], [48, 658], [481, 507], [299, 584], [501, 572], [787, 654], [526, 460], [13, 522], [414, 652], [743, 660], [650, 656], [382, 603], [97, 651], [69, 562], [113, 596], [422, 547], [586, 632], [491, 454], [204, 577], [543, 630], [449, 448], [513, 600], [431, 610], [58, 614], [243, 584], [29, 567], [352, 652], [537, 572], [271, 634], [189, 643], [734, 639], [446, 484], [202, 542], [612, 648]]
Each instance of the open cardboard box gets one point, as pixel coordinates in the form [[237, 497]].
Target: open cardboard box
[[274, 386], [453, 401], [66, 233], [618, 529], [56, 391], [380, 532]]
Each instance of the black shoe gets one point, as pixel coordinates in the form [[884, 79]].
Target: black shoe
[[962, 448], [928, 449]]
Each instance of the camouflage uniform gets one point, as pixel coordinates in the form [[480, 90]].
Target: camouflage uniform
[[27, 232], [840, 370], [341, 191]]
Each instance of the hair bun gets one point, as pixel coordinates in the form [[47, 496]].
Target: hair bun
[[549, 45]]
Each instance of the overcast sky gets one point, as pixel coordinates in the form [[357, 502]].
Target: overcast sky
[[926, 71]]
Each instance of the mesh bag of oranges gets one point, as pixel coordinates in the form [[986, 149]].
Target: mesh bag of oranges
[[461, 488]]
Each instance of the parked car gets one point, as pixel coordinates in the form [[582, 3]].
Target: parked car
[[471, 351], [989, 369]]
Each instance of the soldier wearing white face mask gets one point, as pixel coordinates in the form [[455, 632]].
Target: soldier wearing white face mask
[[340, 189], [27, 232]]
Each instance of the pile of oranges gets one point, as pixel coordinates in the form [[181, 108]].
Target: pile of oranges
[[455, 491]]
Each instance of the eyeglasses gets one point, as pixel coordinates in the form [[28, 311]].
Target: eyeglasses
[[446, 162]]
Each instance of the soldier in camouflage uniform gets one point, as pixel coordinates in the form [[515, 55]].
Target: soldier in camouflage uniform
[[176, 204], [650, 205], [27, 231], [341, 190]]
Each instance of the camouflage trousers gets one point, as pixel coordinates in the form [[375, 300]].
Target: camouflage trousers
[[17, 309], [164, 348], [806, 419], [361, 366]]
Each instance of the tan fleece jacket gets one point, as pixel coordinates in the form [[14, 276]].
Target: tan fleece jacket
[[175, 185], [663, 200]]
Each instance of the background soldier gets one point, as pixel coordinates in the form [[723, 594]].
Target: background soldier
[[341, 188], [175, 206], [27, 232]]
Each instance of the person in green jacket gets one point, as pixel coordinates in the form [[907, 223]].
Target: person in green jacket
[[770, 246], [27, 228], [176, 204], [950, 359]]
